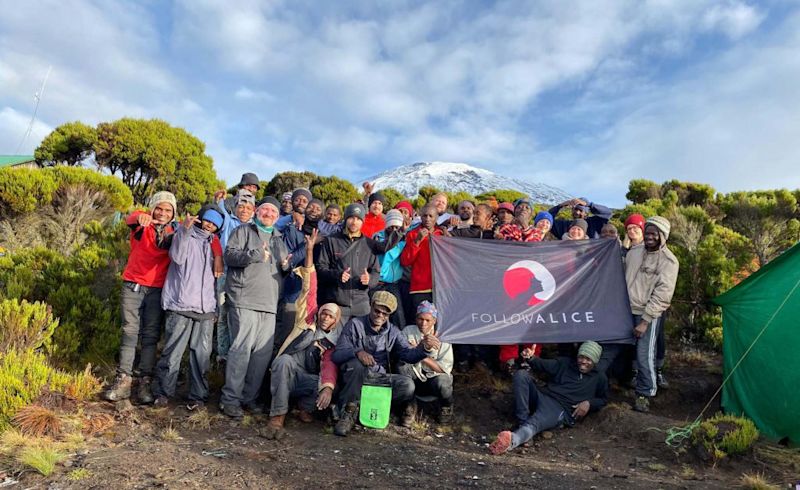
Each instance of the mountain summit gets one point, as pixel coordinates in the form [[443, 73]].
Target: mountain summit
[[455, 177]]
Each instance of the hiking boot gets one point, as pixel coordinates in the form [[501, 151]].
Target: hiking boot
[[346, 420], [661, 380], [253, 408], [446, 415], [145, 391], [161, 401], [120, 389], [632, 381], [233, 411], [194, 405], [501, 444], [409, 415], [274, 429], [642, 404], [305, 416]]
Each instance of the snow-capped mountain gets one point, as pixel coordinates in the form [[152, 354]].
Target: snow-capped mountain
[[455, 177]]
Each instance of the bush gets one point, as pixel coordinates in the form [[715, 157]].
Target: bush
[[724, 435], [25, 325]]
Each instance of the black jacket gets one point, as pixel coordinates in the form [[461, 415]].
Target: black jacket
[[336, 256], [569, 386]]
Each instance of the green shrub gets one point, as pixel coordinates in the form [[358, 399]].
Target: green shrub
[[25, 325], [42, 458], [724, 435]]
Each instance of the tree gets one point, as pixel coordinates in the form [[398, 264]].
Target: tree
[[287, 182], [150, 155], [393, 196], [427, 192], [767, 218], [641, 190], [69, 144], [334, 190], [501, 195]]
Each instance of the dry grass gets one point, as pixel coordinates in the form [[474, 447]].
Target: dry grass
[[71, 442], [11, 440], [170, 434], [42, 458], [97, 423], [420, 425], [247, 421], [756, 481], [37, 421], [200, 419]]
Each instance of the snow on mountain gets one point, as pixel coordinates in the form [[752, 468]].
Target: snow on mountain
[[455, 177]]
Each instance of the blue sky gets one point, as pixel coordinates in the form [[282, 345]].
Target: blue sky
[[583, 95]]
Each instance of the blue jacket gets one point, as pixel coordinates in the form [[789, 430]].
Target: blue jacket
[[391, 270], [230, 223], [190, 279], [600, 216], [354, 333], [295, 242]]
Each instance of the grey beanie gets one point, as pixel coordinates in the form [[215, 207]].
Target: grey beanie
[[355, 209], [302, 192], [591, 350], [661, 223]]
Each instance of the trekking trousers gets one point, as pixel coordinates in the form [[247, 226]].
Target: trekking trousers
[[646, 359], [180, 332], [252, 334], [291, 380], [547, 412], [141, 321]]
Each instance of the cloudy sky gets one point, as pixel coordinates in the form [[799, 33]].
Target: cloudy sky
[[583, 95]]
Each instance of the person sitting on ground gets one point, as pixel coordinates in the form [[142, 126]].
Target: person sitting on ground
[[332, 223], [577, 230], [651, 272], [374, 220], [481, 225], [189, 299], [303, 368], [256, 257], [634, 232], [575, 389], [520, 230], [249, 183], [580, 210], [432, 375], [140, 301], [348, 267], [417, 256], [364, 347]]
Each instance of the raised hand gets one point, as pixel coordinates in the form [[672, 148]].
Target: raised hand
[[431, 342], [144, 219], [311, 240], [220, 194], [285, 262], [189, 221]]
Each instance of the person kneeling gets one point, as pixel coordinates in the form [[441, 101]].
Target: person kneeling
[[364, 348], [431, 376], [303, 368], [575, 388]]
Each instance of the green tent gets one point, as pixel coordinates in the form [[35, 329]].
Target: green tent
[[766, 385]]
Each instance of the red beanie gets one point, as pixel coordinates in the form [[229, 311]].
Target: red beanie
[[407, 206], [635, 219]]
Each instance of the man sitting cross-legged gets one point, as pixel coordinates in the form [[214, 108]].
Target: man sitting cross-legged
[[364, 348], [575, 388]]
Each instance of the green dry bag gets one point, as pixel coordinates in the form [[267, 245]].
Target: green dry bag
[[376, 401]]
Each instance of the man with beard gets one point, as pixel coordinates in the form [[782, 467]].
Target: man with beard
[[650, 272], [365, 347], [575, 389], [580, 210], [481, 226]]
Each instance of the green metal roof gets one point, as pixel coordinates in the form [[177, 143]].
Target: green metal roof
[[12, 160]]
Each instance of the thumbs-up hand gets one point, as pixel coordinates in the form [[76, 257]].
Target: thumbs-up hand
[[285, 262], [346, 275], [365, 277]]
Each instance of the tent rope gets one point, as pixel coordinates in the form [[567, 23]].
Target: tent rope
[[677, 435]]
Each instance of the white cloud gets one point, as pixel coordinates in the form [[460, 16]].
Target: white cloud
[[13, 126], [244, 93], [735, 19]]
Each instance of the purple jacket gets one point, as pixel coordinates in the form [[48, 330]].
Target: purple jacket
[[190, 279]]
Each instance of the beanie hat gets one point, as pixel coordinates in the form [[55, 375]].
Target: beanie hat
[[591, 350], [405, 205], [213, 216], [287, 196], [376, 196], [244, 196], [333, 308], [271, 201], [507, 206], [522, 200], [635, 219], [580, 223], [394, 218], [355, 209], [250, 179], [302, 192], [427, 307], [543, 215], [164, 196], [317, 201], [385, 298], [661, 223]]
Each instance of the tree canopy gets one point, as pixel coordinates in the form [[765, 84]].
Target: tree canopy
[[68, 144]]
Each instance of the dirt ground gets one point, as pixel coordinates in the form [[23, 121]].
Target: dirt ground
[[616, 448]]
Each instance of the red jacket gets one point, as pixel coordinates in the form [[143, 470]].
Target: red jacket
[[418, 257], [372, 224], [148, 261]]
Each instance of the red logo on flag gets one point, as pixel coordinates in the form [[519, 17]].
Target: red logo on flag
[[529, 277]]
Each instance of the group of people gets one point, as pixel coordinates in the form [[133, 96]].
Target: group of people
[[309, 302]]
